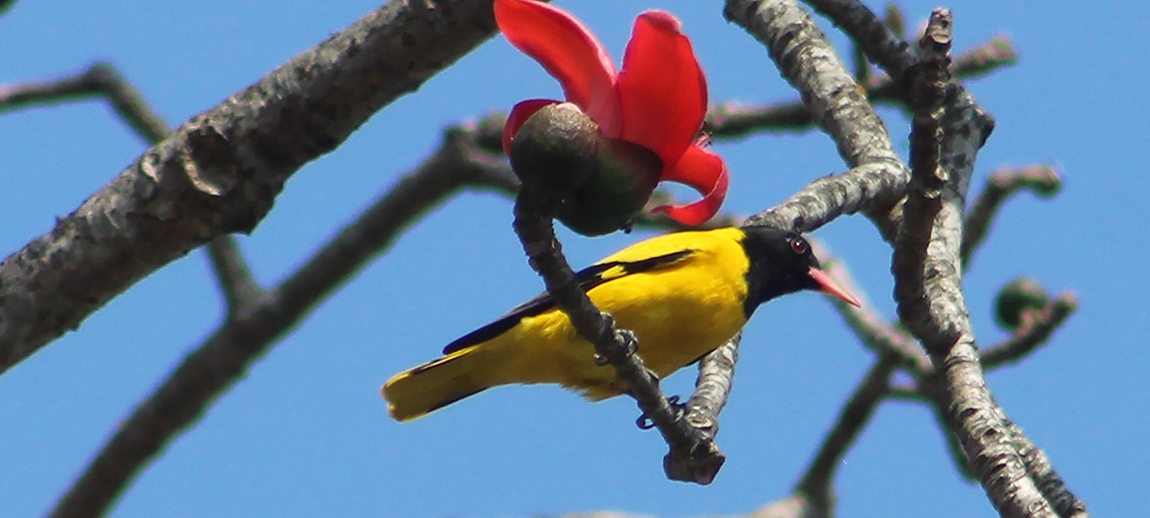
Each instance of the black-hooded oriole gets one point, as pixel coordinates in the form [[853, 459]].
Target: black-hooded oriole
[[682, 294]]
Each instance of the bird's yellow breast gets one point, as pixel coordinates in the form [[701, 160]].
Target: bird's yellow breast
[[679, 312]]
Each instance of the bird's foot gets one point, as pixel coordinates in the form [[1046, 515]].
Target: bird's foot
[[644, 422], [630, 344]]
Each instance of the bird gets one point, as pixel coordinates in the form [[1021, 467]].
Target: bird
[[682, 294]]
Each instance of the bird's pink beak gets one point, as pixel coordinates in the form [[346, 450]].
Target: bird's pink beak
[[830, 287]]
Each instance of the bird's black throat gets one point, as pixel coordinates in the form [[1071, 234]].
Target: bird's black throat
[[775, 268]]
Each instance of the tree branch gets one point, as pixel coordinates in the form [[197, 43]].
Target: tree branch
[[807, 60], [818, 481], [947, 131], [731, 121], [227, 355], [1000, 186], [239, 287], [713, 387], [100, 80], [219, 173]]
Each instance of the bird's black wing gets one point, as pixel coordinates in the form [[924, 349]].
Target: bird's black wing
[[587, 278]]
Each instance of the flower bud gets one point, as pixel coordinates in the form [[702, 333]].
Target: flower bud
[[624, 177], [1017, 297], [597, 184], [554, 151]]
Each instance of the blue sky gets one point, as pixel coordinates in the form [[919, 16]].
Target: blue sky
[[305, 434]]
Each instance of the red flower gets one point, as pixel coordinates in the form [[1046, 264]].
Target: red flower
[[657, 101]]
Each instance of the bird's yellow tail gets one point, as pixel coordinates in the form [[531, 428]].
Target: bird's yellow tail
[[418, 391]]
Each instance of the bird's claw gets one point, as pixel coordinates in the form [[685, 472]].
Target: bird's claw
[[629, 342], [644, 422]]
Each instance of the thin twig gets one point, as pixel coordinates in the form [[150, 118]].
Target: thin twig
[[1042, 180], [907, 392], [732, 121], [99, 80], [233, 275], [818, 480]]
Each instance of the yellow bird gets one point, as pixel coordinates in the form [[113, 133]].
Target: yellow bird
[[682, 294]]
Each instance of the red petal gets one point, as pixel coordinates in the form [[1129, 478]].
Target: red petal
[[519, 114], [569, 51], [662, 91], [705, 172]]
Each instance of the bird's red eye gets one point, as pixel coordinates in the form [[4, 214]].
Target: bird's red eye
[[798, 246]]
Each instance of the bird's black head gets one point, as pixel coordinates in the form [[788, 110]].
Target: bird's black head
[[782, 262]]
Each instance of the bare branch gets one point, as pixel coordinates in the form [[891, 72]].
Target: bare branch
[[867, 188], [731, 121], [235, 279], [986, 58], [930, 386], [883, 47], [105, 81], [906, 392], [713, 386], [818, 481], [947, 132], [224, 357], [809, 62], [1042, 180], [100, 80], [219, 173]]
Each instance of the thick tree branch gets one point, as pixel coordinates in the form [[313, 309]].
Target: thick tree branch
[[1042, 472], [220, 172], [946, 134], [837, 104], [227, 355], [104, 81], [809, 62]]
